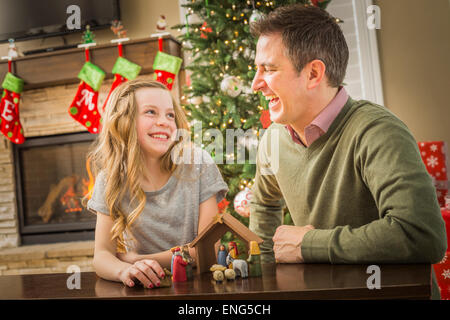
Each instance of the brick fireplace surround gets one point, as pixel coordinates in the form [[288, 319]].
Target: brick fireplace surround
[[43, 112]]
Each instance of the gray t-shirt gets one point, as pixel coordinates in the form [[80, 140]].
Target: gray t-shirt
[[170, 216]]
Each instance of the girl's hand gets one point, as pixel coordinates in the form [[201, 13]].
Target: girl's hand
[[129, 257], [147, 271]]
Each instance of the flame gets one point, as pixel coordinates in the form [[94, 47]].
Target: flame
[[70, 201]]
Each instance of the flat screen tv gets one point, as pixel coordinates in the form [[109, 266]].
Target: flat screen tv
[[28, 19]]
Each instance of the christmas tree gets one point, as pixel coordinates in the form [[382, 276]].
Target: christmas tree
[[221, 70]]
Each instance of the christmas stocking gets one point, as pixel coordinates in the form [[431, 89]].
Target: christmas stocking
[[166, 68], [123, 70], [10, 124], [84, 105]]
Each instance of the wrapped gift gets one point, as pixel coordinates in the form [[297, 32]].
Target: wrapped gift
[[434, 156], [442, 269]]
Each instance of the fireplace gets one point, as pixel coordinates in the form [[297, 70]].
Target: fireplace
[[52, 177]]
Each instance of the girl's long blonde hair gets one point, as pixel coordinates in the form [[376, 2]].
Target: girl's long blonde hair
[[117, 153]]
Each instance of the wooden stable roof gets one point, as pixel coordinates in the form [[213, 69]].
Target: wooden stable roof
[[231, 222]]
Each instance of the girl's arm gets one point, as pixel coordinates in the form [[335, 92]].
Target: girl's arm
[[109, 267], [207, 211]]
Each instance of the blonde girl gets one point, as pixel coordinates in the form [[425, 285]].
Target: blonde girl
[[145, 202]]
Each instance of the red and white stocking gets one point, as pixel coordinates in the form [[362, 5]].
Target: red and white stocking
[[84, 108], [10, 124]]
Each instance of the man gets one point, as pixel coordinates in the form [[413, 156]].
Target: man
[[349, 171]]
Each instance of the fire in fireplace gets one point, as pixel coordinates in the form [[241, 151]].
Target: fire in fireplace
[[52, 177]]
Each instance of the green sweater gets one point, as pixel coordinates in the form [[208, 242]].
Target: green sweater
[[362, 185]]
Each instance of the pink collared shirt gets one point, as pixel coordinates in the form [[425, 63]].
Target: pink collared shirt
[[319, 126]]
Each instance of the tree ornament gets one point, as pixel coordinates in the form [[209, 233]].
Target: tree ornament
[[242, 202], [222, 205], [231, 85], [265, 119], [204, 30], [256, 15], [206, 99], [321, 3], [84, 106], [196, 100], [10, 124]]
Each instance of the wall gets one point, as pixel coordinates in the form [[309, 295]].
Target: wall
[[414, 47]]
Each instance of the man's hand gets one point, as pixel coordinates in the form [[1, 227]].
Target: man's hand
[[287, 241]]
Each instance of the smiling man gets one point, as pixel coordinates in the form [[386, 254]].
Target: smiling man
[[349, 171]]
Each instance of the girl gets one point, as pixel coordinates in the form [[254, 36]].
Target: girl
[[145, 203]]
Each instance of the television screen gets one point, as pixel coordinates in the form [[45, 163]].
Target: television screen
[[25, 19]]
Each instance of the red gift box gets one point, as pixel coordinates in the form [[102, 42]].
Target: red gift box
[[434, 156], [442, 269]]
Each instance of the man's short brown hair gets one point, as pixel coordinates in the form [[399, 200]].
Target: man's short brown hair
[[308, 33]]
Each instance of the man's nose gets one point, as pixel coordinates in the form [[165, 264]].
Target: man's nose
[[257, 82]]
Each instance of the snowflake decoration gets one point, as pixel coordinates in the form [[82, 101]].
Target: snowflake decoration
[[443, 259], [424, 153], [433, 147], [432, 161], [446, 273]]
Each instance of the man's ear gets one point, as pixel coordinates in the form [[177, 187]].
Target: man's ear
[[315, 73]]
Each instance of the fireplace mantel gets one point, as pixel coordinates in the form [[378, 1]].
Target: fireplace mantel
[[62, 67]]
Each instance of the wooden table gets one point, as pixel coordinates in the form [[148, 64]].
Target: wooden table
[[281, 281]]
